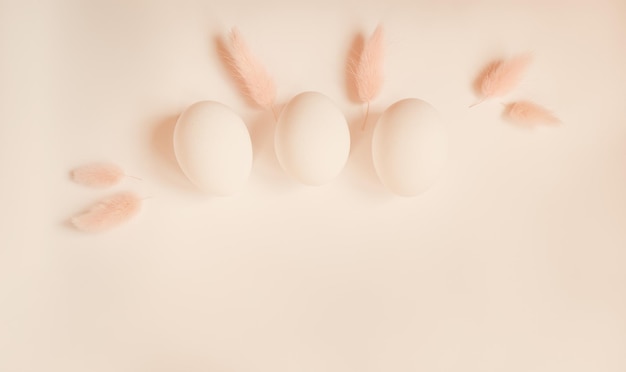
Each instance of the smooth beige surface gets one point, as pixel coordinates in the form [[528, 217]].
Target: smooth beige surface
[[513, 261]]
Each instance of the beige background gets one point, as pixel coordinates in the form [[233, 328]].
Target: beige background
[[514, 261]]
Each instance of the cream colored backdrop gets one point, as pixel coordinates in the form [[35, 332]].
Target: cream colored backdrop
[[514, 261]]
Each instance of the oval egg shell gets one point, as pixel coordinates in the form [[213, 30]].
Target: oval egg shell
[[312, 139], [409, 147], [213, 147]]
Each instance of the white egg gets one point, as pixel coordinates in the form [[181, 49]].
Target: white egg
[[213, 147], [409, 147], [312, 139]]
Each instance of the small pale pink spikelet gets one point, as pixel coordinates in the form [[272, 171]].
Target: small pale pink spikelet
[[99, 175], [501, 77], [369, 69], [528, 113], [108, 213], [255, 80]]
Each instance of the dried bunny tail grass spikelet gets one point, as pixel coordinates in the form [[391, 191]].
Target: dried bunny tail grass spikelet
[[255, 80], [528, 113], [108, 213], [369, 68], [98, 175], [501, 77]]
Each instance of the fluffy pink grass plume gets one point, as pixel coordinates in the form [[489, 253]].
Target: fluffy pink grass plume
[[369, 69], [98, 175], [501, 77], [255, 81], [108, 213], [528, 113]]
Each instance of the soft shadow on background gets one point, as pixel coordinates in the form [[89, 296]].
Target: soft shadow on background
[[165, 164]]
